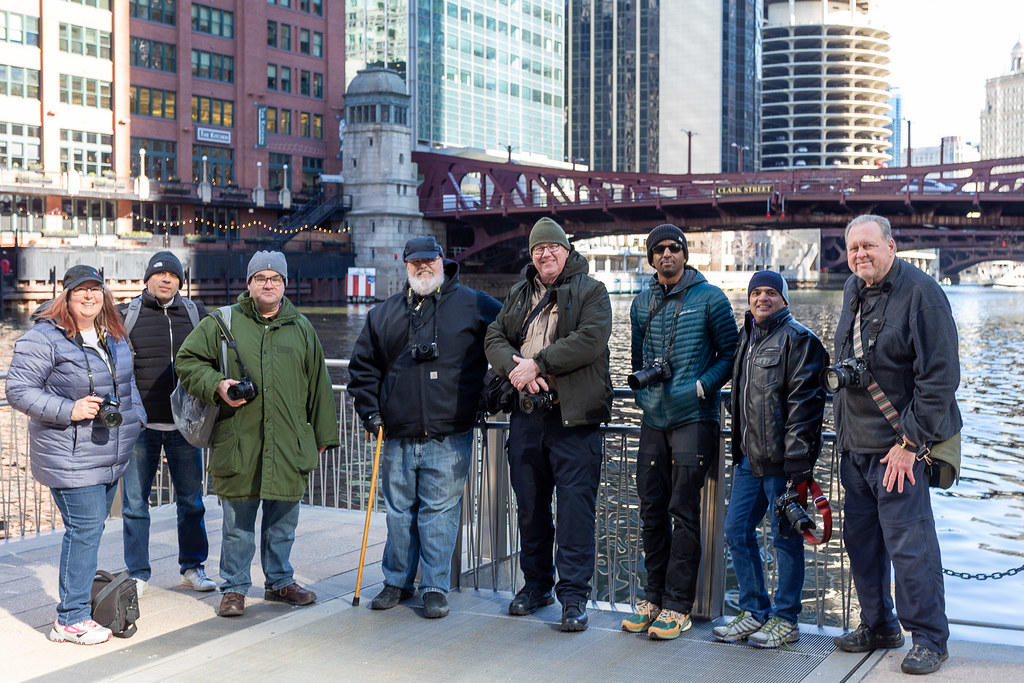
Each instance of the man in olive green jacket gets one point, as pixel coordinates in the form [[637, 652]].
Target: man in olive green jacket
[[268, 437], [551, 339]]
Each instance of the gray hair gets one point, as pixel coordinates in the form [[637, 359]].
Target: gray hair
[[882, 222]]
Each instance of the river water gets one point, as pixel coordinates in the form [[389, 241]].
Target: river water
[[980, 521]]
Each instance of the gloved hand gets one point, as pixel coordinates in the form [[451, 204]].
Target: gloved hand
[[373, 423]]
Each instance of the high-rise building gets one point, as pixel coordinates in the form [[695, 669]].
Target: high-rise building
[[1002, 120], [487, 74], [896, 127], [647, 80], [825, 85]]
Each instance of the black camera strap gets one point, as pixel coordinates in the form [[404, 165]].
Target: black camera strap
[[111, 365], [230, 339], [546, 299], [679, 299]]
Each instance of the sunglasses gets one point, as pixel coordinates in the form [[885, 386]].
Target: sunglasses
[[675, 248]]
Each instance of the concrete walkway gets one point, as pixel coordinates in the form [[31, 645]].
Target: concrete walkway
[[180, 636]]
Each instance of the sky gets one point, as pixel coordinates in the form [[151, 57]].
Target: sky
[[942, 53]]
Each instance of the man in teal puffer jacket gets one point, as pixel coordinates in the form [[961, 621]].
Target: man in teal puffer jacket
[[684, 335]]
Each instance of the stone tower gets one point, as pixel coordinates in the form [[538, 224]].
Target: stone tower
[[380, 176]]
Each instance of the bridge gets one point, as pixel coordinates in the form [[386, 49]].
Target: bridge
[[973, 211]]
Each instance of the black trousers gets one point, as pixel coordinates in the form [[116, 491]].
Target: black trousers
[[670, 471], [545, 457]]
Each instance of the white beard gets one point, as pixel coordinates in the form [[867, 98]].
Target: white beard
[[426, 282]]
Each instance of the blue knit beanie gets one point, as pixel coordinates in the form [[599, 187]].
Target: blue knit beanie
[[769, 278]]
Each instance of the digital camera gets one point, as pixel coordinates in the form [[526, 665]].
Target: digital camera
[[789, 511], [539, 402], [244, 390], [852, 372], [109, 414], [657, 370], [424, 352]]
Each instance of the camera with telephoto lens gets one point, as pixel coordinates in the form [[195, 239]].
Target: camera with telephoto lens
[[244, 390], [657, 370], [852, 372], [424, 352], [789, 509], [108, 415], [539, 402]]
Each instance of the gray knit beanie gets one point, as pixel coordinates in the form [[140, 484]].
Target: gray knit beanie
[[546, 231], [267, 260]]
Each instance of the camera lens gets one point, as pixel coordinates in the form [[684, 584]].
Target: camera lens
[[111, 418], [644, 378]]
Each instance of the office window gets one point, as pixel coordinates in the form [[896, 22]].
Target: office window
[[304, 124], [19, 145], [271, 119], [213, 66], [304, 41], [18, 81], [216, 22], [150, 54], [156, 217], [99, 4], [152, 102], [161, 157], [317, 124], [284, 37], [286, 79], [220, 160], [160, 11], [271, 34], [88, 152], [318, 86], [318, 44], [213, 111], [304, 83], [86, 92], [317, 8], [312, 167], [81, 40], [277, 162], [19, 28], [271, 77], [284, 122]]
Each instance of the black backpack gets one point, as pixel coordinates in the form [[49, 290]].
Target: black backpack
[[115, 603]]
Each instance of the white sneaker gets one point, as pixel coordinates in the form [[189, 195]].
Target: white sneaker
[[140, 586], [196, 579], [86, 632]]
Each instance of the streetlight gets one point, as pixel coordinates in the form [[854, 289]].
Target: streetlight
[[739, 155], [689, 149], [910, 160]]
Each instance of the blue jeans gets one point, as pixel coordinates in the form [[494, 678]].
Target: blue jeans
[[423, 484], [277, 534], [886, 530], [185, 463], [84, 510], [751, 498], [545, 457]]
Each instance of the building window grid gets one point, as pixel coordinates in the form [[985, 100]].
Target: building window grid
[[213, 21], [156, 217], [19, 145], [161, 158], [160, 11], [83, 40], [220, 162], [85, 92], [213, 66], [17, 81], [213, 111], [98, 4], [151, 54], [89, 216], [88, 152], [161, 104], [286, 79], [22, 29], [276, 163]]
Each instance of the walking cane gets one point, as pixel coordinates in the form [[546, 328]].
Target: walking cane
[[366, 524]]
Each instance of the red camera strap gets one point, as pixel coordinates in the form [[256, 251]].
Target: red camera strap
[[820, 502]]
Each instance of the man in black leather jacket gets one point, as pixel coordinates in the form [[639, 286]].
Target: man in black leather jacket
[[777, 407]]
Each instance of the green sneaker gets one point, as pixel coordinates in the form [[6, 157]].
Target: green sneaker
[[639, 621], [669, 625], [740, 628]]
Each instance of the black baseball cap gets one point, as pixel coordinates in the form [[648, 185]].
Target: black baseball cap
[[422, 247], [76, 275]]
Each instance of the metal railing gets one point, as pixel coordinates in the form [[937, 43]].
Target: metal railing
[[487, 552]]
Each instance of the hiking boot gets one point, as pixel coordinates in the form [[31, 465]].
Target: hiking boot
[[574, 617], [921, 660], [86, 632], [645, 614], [864, 639], [435, 605], [390, 597], [775, 633], [528, 601], [231, 605], [669, 625], [743, 625], [196, 579]]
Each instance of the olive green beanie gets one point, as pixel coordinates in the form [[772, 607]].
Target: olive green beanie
[[546, 231]]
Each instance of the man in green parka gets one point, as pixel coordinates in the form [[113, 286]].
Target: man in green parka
[[268, 437]]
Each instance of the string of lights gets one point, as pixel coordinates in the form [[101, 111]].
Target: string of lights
[[165, 224]]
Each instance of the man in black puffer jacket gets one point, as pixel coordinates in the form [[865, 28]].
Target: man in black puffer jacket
[[417, 371], [158, 320], [777, 408]]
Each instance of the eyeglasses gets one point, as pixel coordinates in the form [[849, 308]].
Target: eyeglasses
[[91, 291], [550, 248], [418, 262], [261, 280], [674, 247]]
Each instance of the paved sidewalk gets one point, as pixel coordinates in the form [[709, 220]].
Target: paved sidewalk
[[180, 636]]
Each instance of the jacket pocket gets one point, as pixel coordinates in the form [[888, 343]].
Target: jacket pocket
[[225, 460], [308, 454], [765, 368]]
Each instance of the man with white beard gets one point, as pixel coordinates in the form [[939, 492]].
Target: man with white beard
[[417, 372]]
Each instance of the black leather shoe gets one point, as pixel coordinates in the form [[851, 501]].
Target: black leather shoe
[[865, 639], [390, 597], [528, 601], [574, 617]]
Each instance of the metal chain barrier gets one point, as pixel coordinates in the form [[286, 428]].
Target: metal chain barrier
[[983, 577]]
